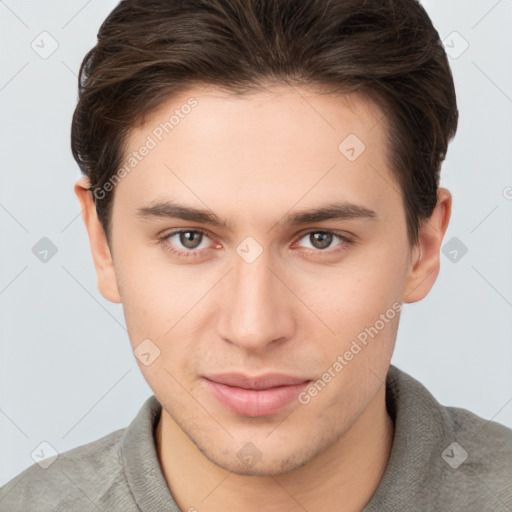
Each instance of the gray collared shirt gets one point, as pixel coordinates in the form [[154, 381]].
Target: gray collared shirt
[[442, 459]]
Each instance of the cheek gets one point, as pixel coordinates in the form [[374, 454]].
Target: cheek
[[362, 305], [163, 303], [152, 296], [158, 306], [353, 295]]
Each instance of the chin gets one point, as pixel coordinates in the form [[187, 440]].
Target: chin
[[280, 463]]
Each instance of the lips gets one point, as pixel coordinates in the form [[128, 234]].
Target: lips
[[254, 395]]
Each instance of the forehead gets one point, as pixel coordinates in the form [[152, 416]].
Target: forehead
[[214, 113], [313, 104], [274, 146]]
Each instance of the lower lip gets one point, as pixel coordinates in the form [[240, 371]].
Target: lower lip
[[251, 402]]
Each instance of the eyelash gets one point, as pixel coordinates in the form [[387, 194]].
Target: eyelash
[[195, 253]]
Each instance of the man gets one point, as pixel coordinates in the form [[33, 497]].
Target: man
[[261, 193]]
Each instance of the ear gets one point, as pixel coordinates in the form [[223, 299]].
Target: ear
[[425, 256], [107, 280]]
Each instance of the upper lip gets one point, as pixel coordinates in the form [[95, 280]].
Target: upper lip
[[269, 380]]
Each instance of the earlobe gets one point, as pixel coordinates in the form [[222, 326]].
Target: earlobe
[[103, 262], [425, 259]]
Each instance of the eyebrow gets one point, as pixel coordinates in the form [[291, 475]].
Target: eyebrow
[[332, 211]]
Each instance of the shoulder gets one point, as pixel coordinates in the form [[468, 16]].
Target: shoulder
[[84, 478], [458, 459], [482, 449], [474, 462]]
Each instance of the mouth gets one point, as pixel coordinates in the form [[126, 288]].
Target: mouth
[[255, 396]]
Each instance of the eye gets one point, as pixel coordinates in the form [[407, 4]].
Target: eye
[[321, 240], [184, 242], [189, 239]]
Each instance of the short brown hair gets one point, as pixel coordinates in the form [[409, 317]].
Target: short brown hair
[[147, 50]]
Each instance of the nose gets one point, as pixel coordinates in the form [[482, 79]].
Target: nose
[[256, 308]]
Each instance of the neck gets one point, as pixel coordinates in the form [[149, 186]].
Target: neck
[[343, 477]]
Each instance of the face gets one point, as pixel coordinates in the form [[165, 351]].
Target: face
[[262, 290]]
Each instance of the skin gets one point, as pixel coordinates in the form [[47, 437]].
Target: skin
[[251, 160]]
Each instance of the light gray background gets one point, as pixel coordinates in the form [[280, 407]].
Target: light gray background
[[67, 372]]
